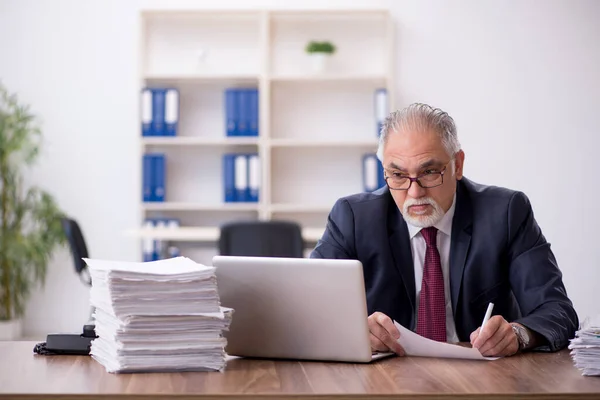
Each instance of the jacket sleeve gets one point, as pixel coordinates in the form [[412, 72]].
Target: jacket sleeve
[[536, 279], [338, 239]]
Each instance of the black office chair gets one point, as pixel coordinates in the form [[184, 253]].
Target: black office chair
[[79, 251], [261, 239], [77, 247], [64, 343]]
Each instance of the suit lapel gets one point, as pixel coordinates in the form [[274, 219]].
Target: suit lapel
[[401, 251], [461, 240]]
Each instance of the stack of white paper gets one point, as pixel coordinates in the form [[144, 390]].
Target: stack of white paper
[[585, 347], [157, 316]]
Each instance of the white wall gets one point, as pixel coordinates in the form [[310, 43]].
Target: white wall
[[520, 78]]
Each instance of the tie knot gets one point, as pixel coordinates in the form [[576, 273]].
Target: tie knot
[[430, 235]]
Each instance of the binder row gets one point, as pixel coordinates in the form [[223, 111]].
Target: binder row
[[241, 177], [372, 173], [241, 111], [153, 177], [160, 111], [154, 250]]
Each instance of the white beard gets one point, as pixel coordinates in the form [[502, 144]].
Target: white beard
[[422, 221]]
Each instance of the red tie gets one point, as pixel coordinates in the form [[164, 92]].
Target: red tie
[[431, 318]]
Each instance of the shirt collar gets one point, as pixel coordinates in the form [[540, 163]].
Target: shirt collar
[[444, 225]]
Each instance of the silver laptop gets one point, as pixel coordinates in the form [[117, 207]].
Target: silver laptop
[[295, 308]]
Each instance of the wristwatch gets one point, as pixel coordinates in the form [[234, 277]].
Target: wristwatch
[[522, 336]]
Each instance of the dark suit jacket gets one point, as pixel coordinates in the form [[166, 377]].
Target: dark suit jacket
[[497, 254]]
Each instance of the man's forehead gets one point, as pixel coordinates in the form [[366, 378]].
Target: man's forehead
[[422, 162]]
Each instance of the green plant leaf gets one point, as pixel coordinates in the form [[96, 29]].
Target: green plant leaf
[[30, 228], [320, 47]]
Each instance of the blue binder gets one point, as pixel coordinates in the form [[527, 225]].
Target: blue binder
[[381, 108], [146, 105], [380, 175], [171, 112], [253, 177], [231, 112], [229, 177], [253, 112], [159, 171], [243, 106], [147, 188], [158, 112], [173, 252]]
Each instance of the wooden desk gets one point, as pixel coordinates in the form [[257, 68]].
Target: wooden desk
[[531, 376]]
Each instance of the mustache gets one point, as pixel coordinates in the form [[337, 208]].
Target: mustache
[[418, 202]]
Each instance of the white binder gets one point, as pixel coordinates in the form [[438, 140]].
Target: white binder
[[370, 181], [146, 112], [148, 243], [381, 108], [241, 178], [171, 112]]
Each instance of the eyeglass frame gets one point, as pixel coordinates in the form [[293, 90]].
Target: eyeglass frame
[[416, 179]]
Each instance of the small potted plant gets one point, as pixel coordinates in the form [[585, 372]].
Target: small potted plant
[[30, 227], [319, 53]]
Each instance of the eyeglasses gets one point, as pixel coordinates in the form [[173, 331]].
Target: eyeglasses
[[429, 179]]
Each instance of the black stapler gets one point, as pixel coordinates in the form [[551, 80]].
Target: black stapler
[[68, 344]]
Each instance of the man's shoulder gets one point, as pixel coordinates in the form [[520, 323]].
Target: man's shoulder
[[478, 191], [366, 199], [363, 205], [490, 199]]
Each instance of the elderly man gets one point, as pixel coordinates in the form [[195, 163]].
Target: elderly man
[[437, 248]]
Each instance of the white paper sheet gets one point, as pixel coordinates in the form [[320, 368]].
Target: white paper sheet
[[173, 266], [585, 347], [417, 345]]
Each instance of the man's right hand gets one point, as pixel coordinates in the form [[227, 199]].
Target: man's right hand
[[384, 334]]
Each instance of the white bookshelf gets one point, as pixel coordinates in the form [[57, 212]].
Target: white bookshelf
[[187, 78], [377, 79], [199, 141], [181, 206], [205, 234], [367, 144], [314, 128], [300, 208]]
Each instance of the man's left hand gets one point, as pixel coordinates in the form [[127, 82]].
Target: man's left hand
[[497, 338]]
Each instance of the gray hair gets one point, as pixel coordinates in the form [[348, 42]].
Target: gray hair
[[422, 117]]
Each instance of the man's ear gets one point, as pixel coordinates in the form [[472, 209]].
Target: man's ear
[[459, 162]]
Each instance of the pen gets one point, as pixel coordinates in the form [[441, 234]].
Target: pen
[[488, 314]]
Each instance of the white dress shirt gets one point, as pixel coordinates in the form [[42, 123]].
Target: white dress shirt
[[418, 247]]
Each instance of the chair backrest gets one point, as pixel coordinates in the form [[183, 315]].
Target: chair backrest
[[261, 239], [76, 244]]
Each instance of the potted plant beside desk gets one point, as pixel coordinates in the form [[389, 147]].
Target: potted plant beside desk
[[30, 227]]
